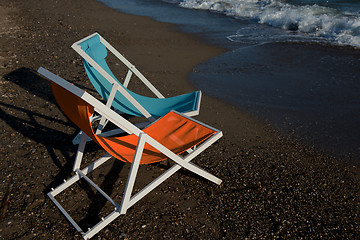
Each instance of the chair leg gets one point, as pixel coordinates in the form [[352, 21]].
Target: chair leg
[[133, 172], [151, 186], [101, 126], [103, 120], [80, 151], [67, 183], [103, 223], [77, 138], [119, 209]]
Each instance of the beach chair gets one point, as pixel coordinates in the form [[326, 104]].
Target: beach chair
[[174, 136], [93, 50]]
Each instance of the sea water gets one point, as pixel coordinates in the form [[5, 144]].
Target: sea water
[[292, 63]]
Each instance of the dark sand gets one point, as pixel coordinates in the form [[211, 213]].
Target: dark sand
[[272, 187]]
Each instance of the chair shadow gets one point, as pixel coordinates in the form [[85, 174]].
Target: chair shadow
[[38, 126], [28, 122]]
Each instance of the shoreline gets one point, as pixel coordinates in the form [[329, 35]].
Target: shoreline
[[273, 186]]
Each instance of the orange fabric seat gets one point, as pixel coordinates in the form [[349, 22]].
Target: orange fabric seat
[[174, 131]]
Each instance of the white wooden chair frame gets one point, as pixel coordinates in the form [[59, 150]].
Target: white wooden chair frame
[[121, 88], [119, 121]]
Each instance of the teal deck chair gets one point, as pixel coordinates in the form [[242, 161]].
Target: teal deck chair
[[93, 50]]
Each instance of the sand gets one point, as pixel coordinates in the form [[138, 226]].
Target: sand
[[273, 187]]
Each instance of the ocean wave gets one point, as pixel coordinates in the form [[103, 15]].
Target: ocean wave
[[334, 25]]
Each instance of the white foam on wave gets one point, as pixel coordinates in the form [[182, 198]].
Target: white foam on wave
[[317, 21]]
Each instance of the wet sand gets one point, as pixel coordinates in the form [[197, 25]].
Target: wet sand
[[308, 91], [273, 187]]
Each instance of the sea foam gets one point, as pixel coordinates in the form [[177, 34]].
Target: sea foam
[[317, 22]]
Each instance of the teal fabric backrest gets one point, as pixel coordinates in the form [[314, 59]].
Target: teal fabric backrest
[[157, 107]]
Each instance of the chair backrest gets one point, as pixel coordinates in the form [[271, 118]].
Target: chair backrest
[[174, 131], [155, 106], [97, 51]]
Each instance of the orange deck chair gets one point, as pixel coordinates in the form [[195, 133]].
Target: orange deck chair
[[166, 138]]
